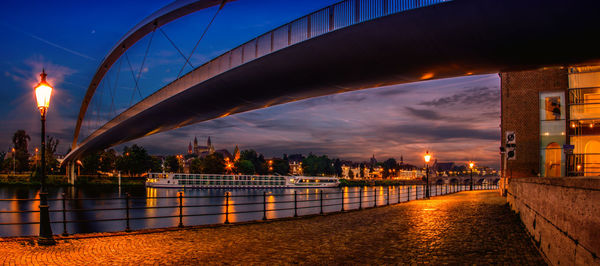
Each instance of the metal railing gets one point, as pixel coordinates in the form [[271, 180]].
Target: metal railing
[[183, 210], [328, 19]]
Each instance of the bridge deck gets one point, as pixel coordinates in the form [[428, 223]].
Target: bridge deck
[[465, 228]]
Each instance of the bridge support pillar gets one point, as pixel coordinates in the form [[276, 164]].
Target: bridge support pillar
[[71, 173]]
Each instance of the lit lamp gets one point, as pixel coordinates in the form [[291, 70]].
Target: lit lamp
[[43, 91], [471, 164], [14, 164], [427, 158]]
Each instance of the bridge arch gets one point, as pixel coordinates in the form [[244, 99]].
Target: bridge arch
[[410, 46]]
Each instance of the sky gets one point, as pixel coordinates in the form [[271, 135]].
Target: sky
[[457, 119]]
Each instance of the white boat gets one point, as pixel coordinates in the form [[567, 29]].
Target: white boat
[[179, 180]]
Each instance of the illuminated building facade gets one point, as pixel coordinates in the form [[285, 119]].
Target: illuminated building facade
[[554, 114]]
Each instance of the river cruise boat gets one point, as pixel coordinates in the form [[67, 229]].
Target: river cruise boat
[[179, 180]]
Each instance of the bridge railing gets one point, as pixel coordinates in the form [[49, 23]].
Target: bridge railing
[[127, 213], [328, 19]]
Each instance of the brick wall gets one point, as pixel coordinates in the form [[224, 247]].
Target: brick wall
[[520, 113]]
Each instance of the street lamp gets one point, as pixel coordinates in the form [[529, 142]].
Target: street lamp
[[43, 91], [471, 164], [14, 164], [427, 157]]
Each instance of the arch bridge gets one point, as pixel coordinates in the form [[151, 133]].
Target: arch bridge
[[351, 45]]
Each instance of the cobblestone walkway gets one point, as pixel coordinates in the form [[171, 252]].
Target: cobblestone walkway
[[464, 228]]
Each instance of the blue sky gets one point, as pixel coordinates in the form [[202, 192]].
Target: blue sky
[[456, 119]]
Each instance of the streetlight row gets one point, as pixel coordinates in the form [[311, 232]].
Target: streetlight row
[[427, 158]]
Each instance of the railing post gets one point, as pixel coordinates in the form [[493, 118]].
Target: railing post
[[399, 194], [388, 195], [408, 194], [264, 205], [331, 18], [227, 207], [295, 205], [289, 34], [127, 228], [308, 27], [321, 200], [360, 198], [356, 11], [64, 212], [342, 199], [385, 8], [180, 209], [374, 192]]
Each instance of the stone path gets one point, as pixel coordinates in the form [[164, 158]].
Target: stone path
[[464, 228]]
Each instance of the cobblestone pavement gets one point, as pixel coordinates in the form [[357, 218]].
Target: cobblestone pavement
[[465, 228]]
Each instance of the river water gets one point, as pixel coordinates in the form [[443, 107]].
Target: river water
[[200, 206]]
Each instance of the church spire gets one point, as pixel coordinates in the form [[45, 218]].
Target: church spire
[[190, 151], [209, 146], [236, 154]]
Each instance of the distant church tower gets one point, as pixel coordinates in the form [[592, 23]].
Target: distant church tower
[[196, 145], [209, 146], [190, 151]]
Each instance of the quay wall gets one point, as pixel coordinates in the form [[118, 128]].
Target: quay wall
[[562, 215]]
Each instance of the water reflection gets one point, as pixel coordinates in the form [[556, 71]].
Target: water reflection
[[200, 206]]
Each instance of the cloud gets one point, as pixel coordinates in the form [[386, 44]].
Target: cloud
[[473, 96], [425, 114]]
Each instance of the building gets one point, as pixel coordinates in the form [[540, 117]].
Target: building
[[551, 122]]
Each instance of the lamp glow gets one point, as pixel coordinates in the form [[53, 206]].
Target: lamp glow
[[427, 157], [43, 91], [471, 164]]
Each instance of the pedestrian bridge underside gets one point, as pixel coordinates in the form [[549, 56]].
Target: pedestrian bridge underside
[[449, 39]]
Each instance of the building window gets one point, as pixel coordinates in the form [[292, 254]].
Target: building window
[[584, 123], [552, 133]]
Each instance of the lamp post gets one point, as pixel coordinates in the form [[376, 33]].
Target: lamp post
[[13, 155], [43, 91], [471, 164], [427, 157]]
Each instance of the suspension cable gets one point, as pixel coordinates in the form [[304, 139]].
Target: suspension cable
[[201, 37], [177, 48]]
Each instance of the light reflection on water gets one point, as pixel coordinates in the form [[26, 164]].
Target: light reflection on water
[[201, 204]]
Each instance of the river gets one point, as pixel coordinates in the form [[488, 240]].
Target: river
[[201, 206]]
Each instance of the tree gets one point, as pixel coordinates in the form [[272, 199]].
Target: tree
[[20, 139], [337, 166], [313, 165], [281, 166], [362, 170], [134, 161], [389, 166], [172, 164], [196, 166], [156, 165], [91, 163], [245, 167], [214, 164], [108, 160], [51, 162], [350, 174], [2, 156], [257, 160]]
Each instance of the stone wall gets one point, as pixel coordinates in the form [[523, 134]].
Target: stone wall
[[562, 215]]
